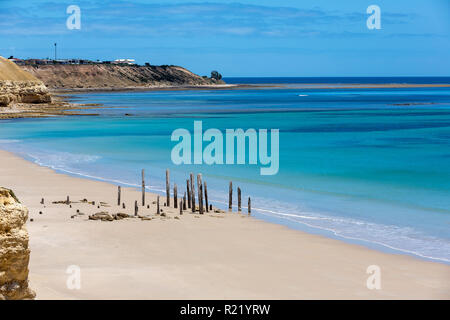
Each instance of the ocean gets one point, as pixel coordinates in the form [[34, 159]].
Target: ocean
[[366, 166]]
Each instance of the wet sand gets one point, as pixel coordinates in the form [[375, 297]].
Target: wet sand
[[192, 256]]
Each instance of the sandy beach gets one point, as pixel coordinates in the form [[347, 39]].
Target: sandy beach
[[214, 256]]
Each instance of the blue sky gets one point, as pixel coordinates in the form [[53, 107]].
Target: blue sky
[[240, 38]]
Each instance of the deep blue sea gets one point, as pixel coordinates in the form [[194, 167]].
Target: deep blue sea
[[338, 80], [367, 166]]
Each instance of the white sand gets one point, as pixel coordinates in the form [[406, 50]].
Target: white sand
[[227, 256]]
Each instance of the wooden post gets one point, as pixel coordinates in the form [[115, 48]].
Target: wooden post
[[181, 207], [192, 192], [206, 196], [239, 200], [157, 205], [188, 194], [230, 197], [184, 201], [249, 206], [68, 200], [168, 187], [42, 201], [200, 193], [143, 187], [119, 190], [135, 208], [175, 196]]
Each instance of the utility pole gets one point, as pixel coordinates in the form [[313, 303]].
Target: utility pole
[[55, 51]]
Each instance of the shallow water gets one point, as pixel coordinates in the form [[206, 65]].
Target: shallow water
[[354, 164]]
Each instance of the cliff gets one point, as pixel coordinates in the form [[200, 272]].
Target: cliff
[[23, 92], [115, 76], [19, 86], [14, 251]]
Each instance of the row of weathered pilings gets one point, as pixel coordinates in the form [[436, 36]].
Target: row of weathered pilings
[[188, 200]]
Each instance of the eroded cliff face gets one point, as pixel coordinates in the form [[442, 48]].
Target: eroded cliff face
[[19, 86], [115, 76], [23, 92], [14, 251]]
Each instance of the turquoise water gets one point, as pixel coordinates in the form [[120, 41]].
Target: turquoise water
[[354, 165]]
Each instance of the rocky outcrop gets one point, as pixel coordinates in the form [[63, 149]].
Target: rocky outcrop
[[14, 251], [115, 76], [103, 216], [18, 86], [23, 92]]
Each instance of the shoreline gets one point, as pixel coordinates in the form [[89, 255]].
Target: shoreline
[[59, 107], [257, 213], [63, 105], [305, 227], [308, 261]]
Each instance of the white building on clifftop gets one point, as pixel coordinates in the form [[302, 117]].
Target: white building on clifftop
[[124, 61]]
